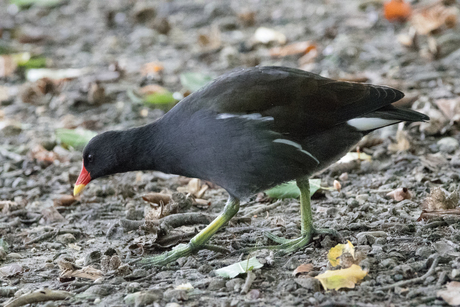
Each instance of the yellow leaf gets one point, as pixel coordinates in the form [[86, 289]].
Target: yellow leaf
[[345, 278], [338, 250]]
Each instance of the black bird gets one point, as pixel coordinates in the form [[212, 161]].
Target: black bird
[[247, 131]]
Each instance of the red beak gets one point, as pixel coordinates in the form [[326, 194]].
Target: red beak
[[82, 181]]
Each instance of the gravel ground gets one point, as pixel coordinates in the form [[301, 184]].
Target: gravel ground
[[118, 47]]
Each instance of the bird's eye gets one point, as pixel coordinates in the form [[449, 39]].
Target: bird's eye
[[90, 158]]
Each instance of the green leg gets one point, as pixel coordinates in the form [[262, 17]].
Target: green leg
[[197, 242], [306, 224]]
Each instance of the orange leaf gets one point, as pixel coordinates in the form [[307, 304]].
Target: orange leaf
[[397, 10]]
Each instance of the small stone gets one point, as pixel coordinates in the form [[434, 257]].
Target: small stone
[[448, 145], [309, 283], [388, 263], [66, 238], [234, 285], [173, 294], [327, 242], [362, 198], [424, 252], [216, 284], [455, 161]]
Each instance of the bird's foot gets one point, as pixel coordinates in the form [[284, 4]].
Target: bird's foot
[[287, 246], [181, 250]]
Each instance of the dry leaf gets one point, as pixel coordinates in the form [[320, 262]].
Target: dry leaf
[[434, 17], [88, 272], [303, 268], [7, 65], [397, 10], [51, 215], [452, 294], [10, 270], [157, 198], [337, 185], [64, 200], [436, 214], [292, 49], [344, 278], [400, 194], [210, 40], [247, 18], [334, 253], [450, 107], [352, 156], [402, 142], [195, 188], [152, 89], [40, 154], [153, 70], [440, 199]]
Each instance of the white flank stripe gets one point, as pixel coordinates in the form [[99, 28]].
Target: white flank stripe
[[296, 145], [252, 116], [366, 124]]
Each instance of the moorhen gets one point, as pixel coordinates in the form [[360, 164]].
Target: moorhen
[[247, 131]]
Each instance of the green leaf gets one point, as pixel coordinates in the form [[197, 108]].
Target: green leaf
[[193, 81], [239, 268], [34, 62], [290, 189], [76, 138], [165, 97], [39, 3]]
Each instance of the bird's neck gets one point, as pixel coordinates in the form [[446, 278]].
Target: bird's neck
[[140, 148]]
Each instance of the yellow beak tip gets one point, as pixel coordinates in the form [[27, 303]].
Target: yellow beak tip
[[78, 189]]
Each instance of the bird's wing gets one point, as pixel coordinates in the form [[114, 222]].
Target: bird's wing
[[301, 103]]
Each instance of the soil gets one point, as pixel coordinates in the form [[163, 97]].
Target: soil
[[45, 232]]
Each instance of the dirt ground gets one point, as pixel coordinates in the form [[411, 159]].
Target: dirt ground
[[117, 48]]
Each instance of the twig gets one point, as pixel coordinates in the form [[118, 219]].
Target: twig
[[263, 209], [52, 234], [248, 283], [41, 295], [414, 280]]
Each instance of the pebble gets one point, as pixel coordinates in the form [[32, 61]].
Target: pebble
[[310, 283], [424, 252], [448, 144], [216, 284], [234, 284]]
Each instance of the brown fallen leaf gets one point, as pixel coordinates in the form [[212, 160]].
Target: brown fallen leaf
[[88, 272], [400, 194], [292, 49], [344, 278], [51, 215], [436, 214], [64, 200], [211, 39], [40, 154], [337, 185], [7, 65], [195, 188], [157, 198], [247, 18], [96, 93], [434, 17], [451, 294], [303, 268], [450, 107], [440, 199], [402, 142]]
